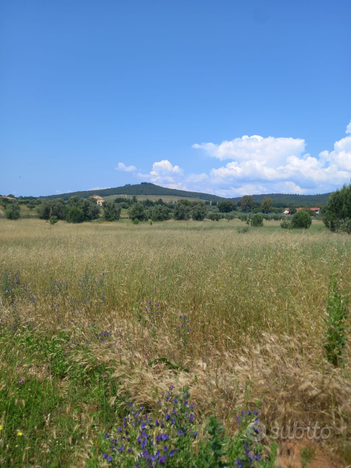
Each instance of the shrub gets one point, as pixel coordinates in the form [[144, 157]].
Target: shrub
[[226, 206], [285, 224], [198, 212], [229, 216], [52, 208], [301, 220], [12, 211], [75, 215], [160, 213], [214, 216], [345, 225], [338, 209], [89, 207], [243, 230], [136, 221], [181, 211], [112, 211], [137, 211], [256, 220]]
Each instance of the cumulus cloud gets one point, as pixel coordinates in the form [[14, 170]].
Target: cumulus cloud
[[122, 167], [278, 163], [164, 173], [255, 147], [261, 165], [341, 156]]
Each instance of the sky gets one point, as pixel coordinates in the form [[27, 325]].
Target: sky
[[218, 96]]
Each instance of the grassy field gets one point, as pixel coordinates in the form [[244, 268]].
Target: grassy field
[[96, 316]]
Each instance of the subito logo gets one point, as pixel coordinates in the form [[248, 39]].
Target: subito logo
[[256, 431]]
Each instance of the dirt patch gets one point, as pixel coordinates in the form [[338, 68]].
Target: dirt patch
[[305, 453]]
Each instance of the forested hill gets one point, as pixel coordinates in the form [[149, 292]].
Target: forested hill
[[139, 189], [279, 199], [286, 199]]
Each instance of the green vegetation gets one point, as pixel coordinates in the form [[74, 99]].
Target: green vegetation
[[256, 220], [267, 205], [247, 203], [112, 211], [108, 315], [337, 330], [301, 220], [147, 189], [74, 215], [198, 213], [337, 213], [12, 211]]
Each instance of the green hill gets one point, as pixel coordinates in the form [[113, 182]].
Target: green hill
[[286, 199], [144, 188], [147, 189]]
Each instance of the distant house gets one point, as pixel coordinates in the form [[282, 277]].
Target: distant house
[[99, 200], [315, 210], [287, 211], [8, 198]]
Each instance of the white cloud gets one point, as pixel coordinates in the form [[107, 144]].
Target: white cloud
[[122, 167], [341, 156], [261, 165], [278, 163], [164, 173], [256, 148], [98, 188]]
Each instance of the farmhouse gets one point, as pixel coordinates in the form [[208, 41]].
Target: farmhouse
[[315, 210], [99, 200]]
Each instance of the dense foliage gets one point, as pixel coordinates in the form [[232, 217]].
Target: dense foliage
[[12, 211], [112, 211], [337, 213], [301, 220]]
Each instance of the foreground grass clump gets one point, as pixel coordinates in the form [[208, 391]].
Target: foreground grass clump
[[96, 317]]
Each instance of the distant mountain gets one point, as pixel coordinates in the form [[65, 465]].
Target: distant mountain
[[146, 188]]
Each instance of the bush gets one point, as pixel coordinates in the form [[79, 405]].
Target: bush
[[137, 211], [214, 216], [112, 211], [181, 211], [12, 211], [256, 220], [89, 207], [160, 213], [285, 224], [52, 208], [301, 220], [226, 206], [229, 216], [338, 209], [199, 212], [75, 215]]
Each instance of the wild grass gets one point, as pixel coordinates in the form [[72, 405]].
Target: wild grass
[[236, 316]]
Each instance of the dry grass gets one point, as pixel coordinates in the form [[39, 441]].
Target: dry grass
[[254, 305]]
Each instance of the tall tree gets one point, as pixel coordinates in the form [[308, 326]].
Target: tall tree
[[247, 203], [266, 205]]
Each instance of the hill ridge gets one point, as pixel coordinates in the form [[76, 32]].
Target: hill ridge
[[147, 188]]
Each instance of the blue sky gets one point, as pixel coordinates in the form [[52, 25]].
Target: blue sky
[[226, 97]]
